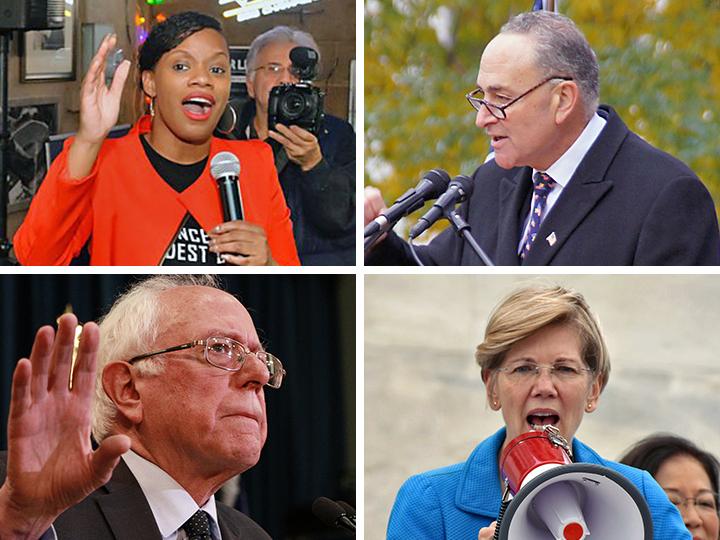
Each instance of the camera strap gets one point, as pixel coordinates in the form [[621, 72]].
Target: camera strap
[[279, 153], [246, 124]]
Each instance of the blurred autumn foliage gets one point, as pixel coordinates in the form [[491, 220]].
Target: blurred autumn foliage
[[659, 68]]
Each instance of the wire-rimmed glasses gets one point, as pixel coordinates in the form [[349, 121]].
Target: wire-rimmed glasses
[[704, 502], [528, 371], [227, 354], [476, 98], [277, 69]]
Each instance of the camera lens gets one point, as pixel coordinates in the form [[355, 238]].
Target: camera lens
[[292, 105]]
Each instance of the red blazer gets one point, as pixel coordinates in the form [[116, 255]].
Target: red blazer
[[131, 214]]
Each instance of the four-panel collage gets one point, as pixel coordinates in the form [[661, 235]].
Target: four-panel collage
[[341, 395]]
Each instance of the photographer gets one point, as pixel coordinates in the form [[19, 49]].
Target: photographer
[[317, 172]]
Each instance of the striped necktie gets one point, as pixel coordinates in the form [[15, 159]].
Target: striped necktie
[[542, 186]]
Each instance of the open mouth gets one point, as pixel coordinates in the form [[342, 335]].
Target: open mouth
[[199, 107], [497, 138], [542, 419]]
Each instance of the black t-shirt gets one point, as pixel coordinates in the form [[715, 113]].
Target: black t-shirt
[[190, 245]]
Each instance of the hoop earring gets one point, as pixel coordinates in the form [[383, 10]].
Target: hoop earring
[[234, 120]]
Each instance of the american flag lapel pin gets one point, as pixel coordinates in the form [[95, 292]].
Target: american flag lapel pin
[[551, 239]]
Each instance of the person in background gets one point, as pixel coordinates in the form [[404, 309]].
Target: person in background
[[317, 172], [689, 476]]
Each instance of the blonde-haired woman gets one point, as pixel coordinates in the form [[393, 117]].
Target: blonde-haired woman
[[544, 361]]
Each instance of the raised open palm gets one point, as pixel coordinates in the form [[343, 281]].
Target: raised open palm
[[51, 464], [100, 104]]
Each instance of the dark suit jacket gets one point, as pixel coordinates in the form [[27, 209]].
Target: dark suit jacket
[[119, 511], [628, 204]]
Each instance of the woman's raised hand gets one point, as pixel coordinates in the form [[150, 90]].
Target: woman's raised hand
[[100, 104]]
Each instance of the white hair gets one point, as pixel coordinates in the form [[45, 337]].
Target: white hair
[[129, 329], [278, 34]]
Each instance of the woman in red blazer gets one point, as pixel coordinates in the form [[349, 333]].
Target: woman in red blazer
[[148, 198]]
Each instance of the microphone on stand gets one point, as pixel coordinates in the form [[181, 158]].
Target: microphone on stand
[[459, 190], [333, 514], [225, 169], [433, 184]]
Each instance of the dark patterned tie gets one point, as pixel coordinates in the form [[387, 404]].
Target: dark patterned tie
[[542, 186], [198, 526]]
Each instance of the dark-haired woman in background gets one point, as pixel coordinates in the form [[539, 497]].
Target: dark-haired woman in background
[[688, 475], [148, 198]]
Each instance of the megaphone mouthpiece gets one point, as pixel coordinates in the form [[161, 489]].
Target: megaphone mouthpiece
[[573, 531], [558, 507]]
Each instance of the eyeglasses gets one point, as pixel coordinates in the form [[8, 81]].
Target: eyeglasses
[[704, 503], [527, 372], [477, 98], [228, 354], [277, 69]]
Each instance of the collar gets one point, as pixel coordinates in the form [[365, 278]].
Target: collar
[[563, 169], [479, 490], [171, 505]]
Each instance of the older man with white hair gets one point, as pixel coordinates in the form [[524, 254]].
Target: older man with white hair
[[316, 170], [178, 409]]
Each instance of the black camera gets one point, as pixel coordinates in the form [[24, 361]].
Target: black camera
[[299, 104]]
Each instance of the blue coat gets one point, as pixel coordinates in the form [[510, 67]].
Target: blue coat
[[456, 501]]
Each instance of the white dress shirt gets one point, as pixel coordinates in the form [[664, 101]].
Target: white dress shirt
[[171, 505], [563, 169]]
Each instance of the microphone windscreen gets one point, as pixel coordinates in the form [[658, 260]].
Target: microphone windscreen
[[466, 184], [303, 56], [327, 511], [439, 180], [224, 164], [349, 510]]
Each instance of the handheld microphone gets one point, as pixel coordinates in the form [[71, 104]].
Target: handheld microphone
[[332, 514], [459, 190], [430, 187], [225, 169]]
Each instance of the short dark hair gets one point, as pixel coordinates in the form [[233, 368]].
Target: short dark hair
[[651, 452], [170, 33]]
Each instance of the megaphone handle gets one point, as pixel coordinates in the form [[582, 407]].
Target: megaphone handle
[[503, 506]]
